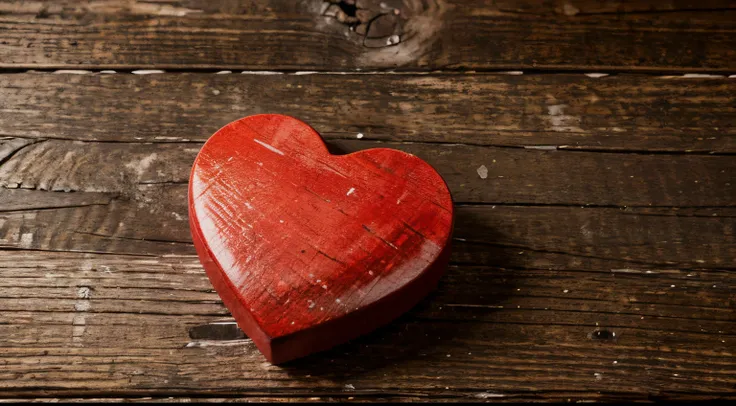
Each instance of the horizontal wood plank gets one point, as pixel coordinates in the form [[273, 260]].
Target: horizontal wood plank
[[615, 113], [581, 7], [137, 202], [523, 331], [422, 34], [530, 217], [629, 240], [475, 174]]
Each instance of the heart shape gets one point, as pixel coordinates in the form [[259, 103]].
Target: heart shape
[[308, 249]]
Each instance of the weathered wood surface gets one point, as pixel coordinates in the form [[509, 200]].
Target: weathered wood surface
[[567, 111], [418, 34], [555, 251], [594, 251], [526, 332]]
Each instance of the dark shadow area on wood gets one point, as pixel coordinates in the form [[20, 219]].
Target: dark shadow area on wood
[[411, 337], [420, 334], [336, 149]]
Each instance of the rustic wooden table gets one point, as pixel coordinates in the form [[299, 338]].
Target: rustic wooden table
[[589, 148]]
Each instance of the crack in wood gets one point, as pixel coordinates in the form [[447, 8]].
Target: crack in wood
[[67, 251], [220, 331], [13, 147], [133, 239], [379, 237]]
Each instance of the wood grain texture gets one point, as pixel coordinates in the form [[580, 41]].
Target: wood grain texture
[[582, 7], [530, 306], [564, 111], [488, 333], [432, 34], [549, 176], [505, 235], [594, 248], [309, 249]]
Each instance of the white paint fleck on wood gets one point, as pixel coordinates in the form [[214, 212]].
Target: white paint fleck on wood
[[403, 195], [72, 72], [488, 395], [482, 171], [83, 292], [260, 72], [147, 71], [560, 121], [146, 8], [596, 75], [268, 146], [140, 167], [351, 191], [26, 240], [626, 270], [701, 75], [215, 343]]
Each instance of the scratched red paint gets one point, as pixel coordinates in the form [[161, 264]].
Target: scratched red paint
[[309, 249]]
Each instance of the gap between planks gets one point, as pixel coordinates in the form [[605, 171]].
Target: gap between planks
[[592, 72]]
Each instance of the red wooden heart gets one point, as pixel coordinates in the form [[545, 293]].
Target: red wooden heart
[[309, 249]]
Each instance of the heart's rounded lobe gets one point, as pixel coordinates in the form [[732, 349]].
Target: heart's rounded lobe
[[309, 249]]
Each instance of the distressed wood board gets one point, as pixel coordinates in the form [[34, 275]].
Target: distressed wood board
[[594, 249], [424, 35]]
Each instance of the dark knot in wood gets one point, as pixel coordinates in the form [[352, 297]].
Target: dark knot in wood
[[380, 23], [602, 335]]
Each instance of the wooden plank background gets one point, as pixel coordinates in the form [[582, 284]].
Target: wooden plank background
[[595, 260], [652, 35]]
